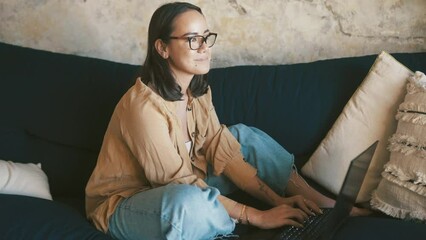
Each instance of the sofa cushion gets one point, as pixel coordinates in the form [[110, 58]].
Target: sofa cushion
[[68, 167], [367, 117], [23, 179], [356, 228], [25, 217]]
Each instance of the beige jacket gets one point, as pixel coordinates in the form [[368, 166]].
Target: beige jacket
[[143, 148]]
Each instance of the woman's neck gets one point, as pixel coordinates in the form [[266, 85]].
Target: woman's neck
[[184, 80]]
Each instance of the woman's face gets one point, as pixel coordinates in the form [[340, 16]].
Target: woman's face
[[185, 62]]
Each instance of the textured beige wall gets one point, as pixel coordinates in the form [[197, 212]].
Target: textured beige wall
[[250, 31]]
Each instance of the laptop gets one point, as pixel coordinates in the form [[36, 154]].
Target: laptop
[[325, 225]]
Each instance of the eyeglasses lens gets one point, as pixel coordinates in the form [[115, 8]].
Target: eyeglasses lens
[[197, 42], [210, 40]]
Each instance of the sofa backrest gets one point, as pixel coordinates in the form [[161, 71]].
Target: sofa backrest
[[296, 104], [55, 109]]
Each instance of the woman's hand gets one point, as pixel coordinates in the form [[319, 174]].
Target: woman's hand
[[279, 216], [308, 206]]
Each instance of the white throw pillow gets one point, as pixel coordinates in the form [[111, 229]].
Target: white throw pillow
[[23, 179], [368, 116]]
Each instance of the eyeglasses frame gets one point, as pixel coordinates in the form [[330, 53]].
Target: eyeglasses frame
[[190, 37]]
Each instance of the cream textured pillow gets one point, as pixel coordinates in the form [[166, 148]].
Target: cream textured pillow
[[402, 191], [368, 116], [23, 179]]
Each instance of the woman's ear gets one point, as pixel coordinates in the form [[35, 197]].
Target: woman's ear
[[161, 48]]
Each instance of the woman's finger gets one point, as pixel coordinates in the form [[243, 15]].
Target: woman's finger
[[297, 214], [312, 207], [290, 222]]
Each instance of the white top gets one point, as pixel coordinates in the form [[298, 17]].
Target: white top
[[188, 146]]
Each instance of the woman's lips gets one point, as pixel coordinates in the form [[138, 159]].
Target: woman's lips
[[201, 59]]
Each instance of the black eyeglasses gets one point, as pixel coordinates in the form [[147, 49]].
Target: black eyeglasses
[[196, 42]]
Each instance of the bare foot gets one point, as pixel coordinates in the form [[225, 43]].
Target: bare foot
[[356, 211]]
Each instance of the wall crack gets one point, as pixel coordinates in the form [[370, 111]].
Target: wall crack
[[240, 9], [338, 18]]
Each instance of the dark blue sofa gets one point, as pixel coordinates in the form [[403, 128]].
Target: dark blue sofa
[[55, 109]]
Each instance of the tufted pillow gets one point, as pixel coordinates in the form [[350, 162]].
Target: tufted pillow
[[368, 116], [23, 179], [402, 191]]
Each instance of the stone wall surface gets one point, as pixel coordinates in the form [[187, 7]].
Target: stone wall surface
[[250, 31]]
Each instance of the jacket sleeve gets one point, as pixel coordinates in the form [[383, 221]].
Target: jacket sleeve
[[224, 152]]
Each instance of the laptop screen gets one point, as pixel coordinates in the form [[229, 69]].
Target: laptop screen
[[354, 178], [349, 191]]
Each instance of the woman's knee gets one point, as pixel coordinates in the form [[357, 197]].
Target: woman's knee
[[189, 197], [182, 193], [171, 212], [239, 129], [187, 203]]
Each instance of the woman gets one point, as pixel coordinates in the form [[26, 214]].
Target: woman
[[166, 162]]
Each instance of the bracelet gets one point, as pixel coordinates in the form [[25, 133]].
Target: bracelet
[[240, 219], [247, 218]]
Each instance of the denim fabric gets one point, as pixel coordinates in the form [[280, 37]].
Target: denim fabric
[[273, 163], [175, 211], [188, 212]]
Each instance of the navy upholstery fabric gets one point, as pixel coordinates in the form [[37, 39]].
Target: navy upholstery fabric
[[61, 98], [58, 106], [356, 228], [380, 228], [68, 168], [34, 218]]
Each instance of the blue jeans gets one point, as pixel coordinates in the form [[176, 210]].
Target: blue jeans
[[273, 163], [179, 211]]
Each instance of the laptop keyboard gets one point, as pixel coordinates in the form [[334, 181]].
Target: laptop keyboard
[[310, 229]]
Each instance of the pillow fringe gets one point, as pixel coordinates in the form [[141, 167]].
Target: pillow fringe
[[416, 83], [407, 145], [393, 211], [415, 182], [415, 118]]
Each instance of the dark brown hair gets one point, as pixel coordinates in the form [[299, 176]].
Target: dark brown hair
[[156, 71]]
